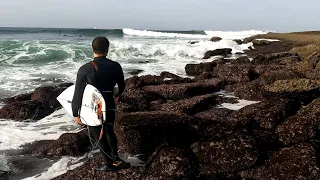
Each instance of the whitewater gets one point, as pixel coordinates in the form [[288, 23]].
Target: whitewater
[[33, 57]]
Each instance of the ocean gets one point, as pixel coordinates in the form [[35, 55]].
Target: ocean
[[32, 57]]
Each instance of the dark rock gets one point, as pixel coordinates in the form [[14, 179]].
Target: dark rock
[[193, 42], [283, 58], [217, 52], [173, 163], [197, 69], [47, 95], [231, 154], [65, 85], [135, 71], [248, 39], [215, 39], [249, 90], [257, 42], [214, 114], [297, 162], [20, 97], [203, 76], [302, 126], [238, 41], [68, 144], [241, 60], [304, 90], [166, 74], [138, 100], [270, 77], [23, 110], [235, 73], [268, 114], [143, 132], [264, 68], [191, 106], [84, 172], [137, 82], [180, 91]]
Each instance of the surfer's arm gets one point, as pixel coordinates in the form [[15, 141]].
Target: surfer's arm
[[121, 83], [79, 89]]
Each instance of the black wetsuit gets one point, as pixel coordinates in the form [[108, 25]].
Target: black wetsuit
[[103, 74]]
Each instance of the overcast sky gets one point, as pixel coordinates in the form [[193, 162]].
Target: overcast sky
[[278, 15]]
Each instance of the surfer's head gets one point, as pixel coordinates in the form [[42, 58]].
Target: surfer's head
[[100, 46]]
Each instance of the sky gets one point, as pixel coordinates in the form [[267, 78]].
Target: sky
[[271, 15]]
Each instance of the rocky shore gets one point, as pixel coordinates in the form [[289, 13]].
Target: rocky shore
[[181, 130]]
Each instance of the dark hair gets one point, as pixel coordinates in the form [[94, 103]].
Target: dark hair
[[100, 45]]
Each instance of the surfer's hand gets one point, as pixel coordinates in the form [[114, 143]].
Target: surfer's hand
[[77, 120]]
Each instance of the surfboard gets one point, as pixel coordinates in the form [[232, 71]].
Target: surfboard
[[93, 105]]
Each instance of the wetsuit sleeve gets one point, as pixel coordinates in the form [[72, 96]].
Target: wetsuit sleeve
[[120, 81], [79, 89]]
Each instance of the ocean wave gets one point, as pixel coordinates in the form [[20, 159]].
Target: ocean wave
[[234, 34], [147, 33]]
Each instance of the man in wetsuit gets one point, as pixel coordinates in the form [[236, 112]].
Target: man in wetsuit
[[103, 74]]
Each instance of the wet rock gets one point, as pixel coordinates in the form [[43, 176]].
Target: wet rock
[[203, 76], [136, 82], [135, 71], [270, 77], [139, 100], [68, 144], [192, 105], [166, 74], [283, 58], [215, 39], [173, 163], [304, 90], [231, 154], [248, 40], [217, 52], [65, 85], [235, 73], [257, 42], [238, 41], [85, 172], [297, 162], [24, 110], [180, 91], [268, 114], [143, 132], [241, 60], [302, 126], [264, 68], [20, 97], [198, 69], [193, 42], [47, 95]]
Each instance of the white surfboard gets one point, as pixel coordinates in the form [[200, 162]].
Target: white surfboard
[[93, 104]]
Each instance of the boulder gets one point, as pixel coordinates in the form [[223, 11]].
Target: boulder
[[266, 114], [215, 39], [214, 114], [192, 105], [248, 90], [166, 74], [304, 90], [257, 42], [180, 91], [235, 73], [238, 41], [24, 110], [135, 71], [193, 42], [143, 132], [248, 40], [305, 51], [65, 85], [302, 126], [217, 52], [68, 144], [270, 77], [230, 154], [173, 163], [241, 60], [85, 172], [20, 97], [47, 95], [198, 69], [283, 58], [297, 162]]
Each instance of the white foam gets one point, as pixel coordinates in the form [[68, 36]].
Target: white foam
[[15, 134], [234, 34], [147, 33], [242, 103], [271, 40], [62, 166]]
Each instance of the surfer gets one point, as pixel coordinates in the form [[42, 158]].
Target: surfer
[[103, 74]]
